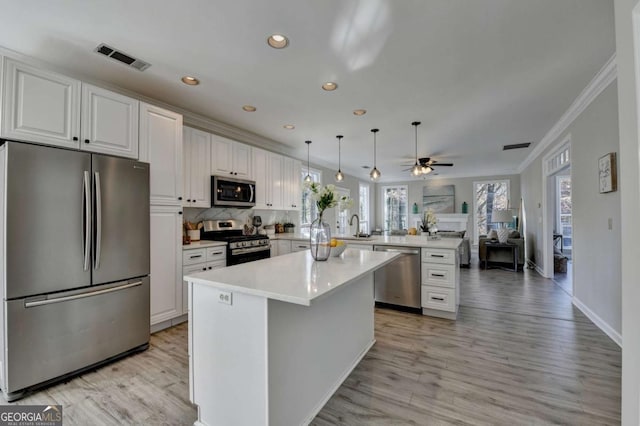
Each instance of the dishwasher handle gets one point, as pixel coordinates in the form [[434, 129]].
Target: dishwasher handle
[[394, 250]]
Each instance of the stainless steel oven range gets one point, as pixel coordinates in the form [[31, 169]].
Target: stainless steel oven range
[[240, 248]]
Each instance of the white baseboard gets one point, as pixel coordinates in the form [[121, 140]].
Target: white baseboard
[[599, 322]]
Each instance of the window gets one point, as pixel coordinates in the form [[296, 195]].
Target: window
[[309, 211], [395, 207], [364, 207], [342, 222], [564, 225], [488, 196]]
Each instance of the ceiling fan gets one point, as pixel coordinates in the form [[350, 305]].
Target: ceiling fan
[[426, 165], [423, 166]]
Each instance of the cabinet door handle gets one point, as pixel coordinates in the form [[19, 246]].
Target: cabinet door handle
[[438, 298], [436, 255], [75, 138], [87, 141], [216, 253], [437, 275], [195, 256]]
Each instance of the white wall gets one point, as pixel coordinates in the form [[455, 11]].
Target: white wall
[[596, 249], [630, 199], [463, 192]]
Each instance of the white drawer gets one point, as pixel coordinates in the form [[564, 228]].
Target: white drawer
[[216, 265], [299, 246], [215, 254], [439, 256], [442, 299], [190, 257], [439, 275]]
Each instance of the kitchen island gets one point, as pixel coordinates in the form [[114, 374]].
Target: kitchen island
[[270, 341]]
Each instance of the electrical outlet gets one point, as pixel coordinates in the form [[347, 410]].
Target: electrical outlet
[[610, 224], [225, 297]]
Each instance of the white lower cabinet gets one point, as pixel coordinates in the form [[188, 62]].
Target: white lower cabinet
[[200, 260], [440, 279], [166, 263], [280, 247], [300, 245]]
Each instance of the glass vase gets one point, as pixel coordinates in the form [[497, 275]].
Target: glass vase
[[320, 236]]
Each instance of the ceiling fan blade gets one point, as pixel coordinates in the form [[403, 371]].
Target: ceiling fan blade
[[433, 164]]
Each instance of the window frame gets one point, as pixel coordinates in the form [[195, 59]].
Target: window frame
[[476, 234], [384, 207], [364, 209]]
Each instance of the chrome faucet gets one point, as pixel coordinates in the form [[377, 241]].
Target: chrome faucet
[[357, 224]]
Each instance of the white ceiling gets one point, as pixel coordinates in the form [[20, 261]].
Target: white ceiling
[[478, 73]]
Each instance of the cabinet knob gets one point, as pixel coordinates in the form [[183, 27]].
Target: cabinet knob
[[179, 198], [210, 267], [204, 269], [75, 138], [87, 141], [179, 212], [230, 173], [188, 201]]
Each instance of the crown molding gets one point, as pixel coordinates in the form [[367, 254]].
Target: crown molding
[[607, 75]]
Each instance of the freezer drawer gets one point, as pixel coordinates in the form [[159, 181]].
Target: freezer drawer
[[51, 338]]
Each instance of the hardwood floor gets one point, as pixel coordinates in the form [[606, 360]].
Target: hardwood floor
[[519, 353]]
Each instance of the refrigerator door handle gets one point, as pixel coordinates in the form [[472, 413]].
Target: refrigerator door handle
[[98, 223], [80, 296], [86, 186]]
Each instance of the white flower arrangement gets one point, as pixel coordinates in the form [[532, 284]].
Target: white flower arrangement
[[325, 197], [429, 219]]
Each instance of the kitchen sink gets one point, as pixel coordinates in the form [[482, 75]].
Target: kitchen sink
[[353, 238]]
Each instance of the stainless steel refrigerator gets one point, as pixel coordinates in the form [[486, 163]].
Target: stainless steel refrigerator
[[74, 262]]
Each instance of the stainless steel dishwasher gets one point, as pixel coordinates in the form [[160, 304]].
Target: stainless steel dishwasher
[[398, 283]]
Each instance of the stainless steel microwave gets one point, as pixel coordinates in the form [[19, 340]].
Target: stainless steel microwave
[[232, 192]]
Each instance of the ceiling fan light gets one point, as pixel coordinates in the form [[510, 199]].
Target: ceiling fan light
[[375, 174], [416, 170], [426, 170]]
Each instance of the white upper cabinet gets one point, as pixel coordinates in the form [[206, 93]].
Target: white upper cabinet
[[50, 108], [40, 106], [109, 122], [230, 158], [161, 147], [292, 184], [268, 174], [197, 168]]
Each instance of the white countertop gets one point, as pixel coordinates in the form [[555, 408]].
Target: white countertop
[[203, 244], [406, 241], [296, 277]]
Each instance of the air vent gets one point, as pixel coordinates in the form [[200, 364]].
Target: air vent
[[516, 146], [122, 57]]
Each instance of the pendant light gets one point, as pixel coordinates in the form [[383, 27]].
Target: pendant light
[[375, 173], [339, 175], [416, 170], [307, 178]]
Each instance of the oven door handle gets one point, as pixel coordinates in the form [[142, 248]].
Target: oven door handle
[[251, 200], [250, 250]]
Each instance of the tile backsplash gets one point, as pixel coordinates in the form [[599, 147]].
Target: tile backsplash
[[243, 215]]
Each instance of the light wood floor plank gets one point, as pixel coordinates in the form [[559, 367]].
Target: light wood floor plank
[[519, 353]]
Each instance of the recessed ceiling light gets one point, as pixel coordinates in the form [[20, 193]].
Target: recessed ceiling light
[[278, 41], [330, 86], [359, 111], [249, 108], [191, 81], [289, 126]]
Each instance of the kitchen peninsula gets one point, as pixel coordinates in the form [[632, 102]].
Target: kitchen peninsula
[[271, 340]]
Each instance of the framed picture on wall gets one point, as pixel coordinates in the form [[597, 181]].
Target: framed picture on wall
[[607, 173]]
